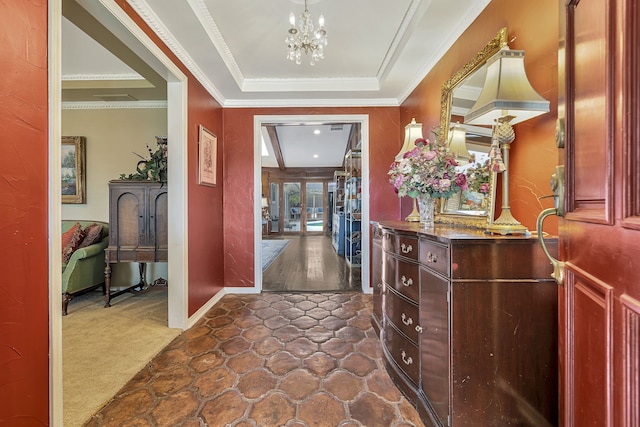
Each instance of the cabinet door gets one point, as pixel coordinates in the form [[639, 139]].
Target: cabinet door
[[158, 234], [434, 341], [127, 217]]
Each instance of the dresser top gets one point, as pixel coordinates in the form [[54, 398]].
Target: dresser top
[[447, 233]]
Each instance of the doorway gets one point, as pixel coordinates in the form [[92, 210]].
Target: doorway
[[123, 27], [312, 213]]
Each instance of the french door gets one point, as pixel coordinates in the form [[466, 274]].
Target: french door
[[298, 207], [599, 301]]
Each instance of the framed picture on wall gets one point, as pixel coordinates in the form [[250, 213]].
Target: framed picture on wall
[[73, 170], [207, 153]]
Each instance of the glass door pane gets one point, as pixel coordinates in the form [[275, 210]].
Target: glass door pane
[[274, 206], [292, 206], [314, 197]]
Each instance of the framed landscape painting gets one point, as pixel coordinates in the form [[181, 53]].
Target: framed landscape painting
[[207, 155], [73, 169]]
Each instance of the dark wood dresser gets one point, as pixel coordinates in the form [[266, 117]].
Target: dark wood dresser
[[468, 324], [138, 227]]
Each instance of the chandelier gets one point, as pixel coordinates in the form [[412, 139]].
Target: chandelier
[[305, 39]]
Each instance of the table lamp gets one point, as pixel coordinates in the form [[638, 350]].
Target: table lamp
[[506, 98], [412, 131]]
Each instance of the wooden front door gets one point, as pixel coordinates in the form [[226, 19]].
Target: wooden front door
[[600, 234]]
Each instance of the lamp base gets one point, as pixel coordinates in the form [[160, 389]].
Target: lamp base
[[414, 216], [506, 224]]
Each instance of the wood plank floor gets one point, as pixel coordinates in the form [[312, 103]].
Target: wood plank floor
[[310, 264]]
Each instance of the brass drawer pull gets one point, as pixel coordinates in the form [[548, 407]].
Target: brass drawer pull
[[432, 257], [405, 359], [406, 319], [406, 248], [407, 282], [419, 329]]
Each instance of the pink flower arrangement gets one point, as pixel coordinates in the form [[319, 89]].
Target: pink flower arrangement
[[428, 169]]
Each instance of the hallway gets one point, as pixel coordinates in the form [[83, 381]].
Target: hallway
[[275, 359], [310, 264]]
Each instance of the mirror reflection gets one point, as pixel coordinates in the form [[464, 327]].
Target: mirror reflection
[[471, 143]]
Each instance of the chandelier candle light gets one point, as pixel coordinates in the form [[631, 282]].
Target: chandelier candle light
[[305, 38]]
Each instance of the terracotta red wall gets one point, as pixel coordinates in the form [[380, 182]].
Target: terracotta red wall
[[384, 142], [206, 271], [24, 253], [533, 155]]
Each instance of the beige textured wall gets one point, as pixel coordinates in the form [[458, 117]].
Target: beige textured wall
[[112, 137]]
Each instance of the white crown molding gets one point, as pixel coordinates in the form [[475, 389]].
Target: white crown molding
[[471, 14], [397, 39], [316, 85], [146, 13], [209, 26], [353, 102], [111, 105], [99, 77]]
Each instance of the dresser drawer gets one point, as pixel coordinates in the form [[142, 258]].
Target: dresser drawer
[[407, 280], [404, 353], [389, 242], [435, 256], [408, 247], [389, 267], [403, 314]]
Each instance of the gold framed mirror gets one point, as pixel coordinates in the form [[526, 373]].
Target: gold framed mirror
[[474, 207]]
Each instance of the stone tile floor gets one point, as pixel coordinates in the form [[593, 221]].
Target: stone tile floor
[[294, 360]]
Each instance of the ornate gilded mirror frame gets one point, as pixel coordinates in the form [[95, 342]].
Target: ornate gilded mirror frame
[[491, 48]]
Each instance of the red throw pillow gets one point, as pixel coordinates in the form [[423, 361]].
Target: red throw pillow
[[71, 239], [93, 234]]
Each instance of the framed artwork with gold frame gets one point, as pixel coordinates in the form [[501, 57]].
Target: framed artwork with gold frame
[[207, 155], [73, 179]]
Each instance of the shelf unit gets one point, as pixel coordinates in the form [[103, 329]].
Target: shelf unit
[[353, 208], [337, 228]]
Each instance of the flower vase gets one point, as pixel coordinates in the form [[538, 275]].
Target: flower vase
[[426, 205]]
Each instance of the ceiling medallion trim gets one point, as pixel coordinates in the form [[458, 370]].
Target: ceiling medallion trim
[[146, 13]]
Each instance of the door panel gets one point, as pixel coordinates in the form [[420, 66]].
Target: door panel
[[631, 356], [599, 319], [591, 331], [590, 60]]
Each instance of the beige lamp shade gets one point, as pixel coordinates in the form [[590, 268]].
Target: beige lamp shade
[[412, 131], [265, 202], [458, 144], [506, 92]]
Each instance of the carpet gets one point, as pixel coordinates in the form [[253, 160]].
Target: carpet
[[270, 251], [103, 348]]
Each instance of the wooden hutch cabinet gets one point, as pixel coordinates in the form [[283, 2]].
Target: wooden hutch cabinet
[[468, 324], [138, 227]]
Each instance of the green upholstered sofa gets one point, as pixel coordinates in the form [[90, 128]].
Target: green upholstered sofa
[[85, 269]]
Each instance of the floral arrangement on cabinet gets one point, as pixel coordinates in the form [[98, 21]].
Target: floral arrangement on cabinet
[[154, 168], [427, 172]]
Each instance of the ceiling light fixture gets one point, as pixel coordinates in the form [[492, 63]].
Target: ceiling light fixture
[[304, 38]]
